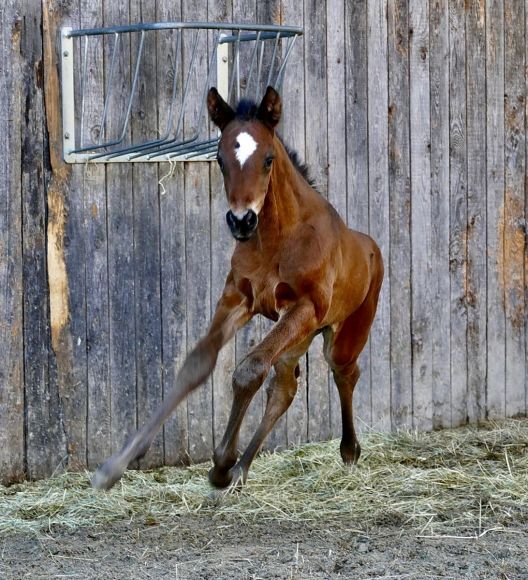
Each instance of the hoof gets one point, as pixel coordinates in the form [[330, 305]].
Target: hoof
[[350, 455], [238, 478], [107, 475], [220, 478], [233, 478]]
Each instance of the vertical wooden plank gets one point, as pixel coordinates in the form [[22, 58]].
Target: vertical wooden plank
[[172, 239], [336, 131], [198, 253], [526, 219], [65, 263], [420, 214], [358, 165], [11, 286], [476, 201], [400, 215], [250, 335], [99, 441], [495, 199], [440, 287], [222, 246], [513, 218], [147, 239], [292, 130], [458, 210], [316, 147], [42, 442], [379, 207], [121, 278]]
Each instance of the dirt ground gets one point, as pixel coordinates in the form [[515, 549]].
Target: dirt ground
[[200, 547]]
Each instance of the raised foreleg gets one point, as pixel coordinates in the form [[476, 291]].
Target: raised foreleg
[[231, 313]]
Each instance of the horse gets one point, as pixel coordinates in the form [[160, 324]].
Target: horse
[[295, 262]]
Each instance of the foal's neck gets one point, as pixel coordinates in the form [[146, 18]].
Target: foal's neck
[[282, 209]]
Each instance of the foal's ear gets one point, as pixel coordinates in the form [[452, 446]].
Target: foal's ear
[[219, 111], [269, 111]]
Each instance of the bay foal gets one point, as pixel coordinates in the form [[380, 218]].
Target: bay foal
[[296, 263]]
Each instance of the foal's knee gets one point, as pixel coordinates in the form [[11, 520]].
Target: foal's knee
[[250, 374]]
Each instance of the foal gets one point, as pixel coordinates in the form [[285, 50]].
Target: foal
[[297, 264]]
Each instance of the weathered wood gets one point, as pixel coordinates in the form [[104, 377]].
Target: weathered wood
[[12, 442], [316, 148], [292, 130], [440, 309], [513, 214], [65, 253], [99, 412], [121, 277], [496, 406], [222, 245], [458, 211], [420, 214], [379, 207], [147, 240], [198, 256], [400, 214], [358, 165], [38, 401], [172, 240], [476, 208], [337, 136]]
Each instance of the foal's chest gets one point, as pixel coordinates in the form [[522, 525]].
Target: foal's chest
[[258, 282]]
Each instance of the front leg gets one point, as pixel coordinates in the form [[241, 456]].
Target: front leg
[[232, 312], [294, 327]]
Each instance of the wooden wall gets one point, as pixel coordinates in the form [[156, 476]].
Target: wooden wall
[[412, 116]]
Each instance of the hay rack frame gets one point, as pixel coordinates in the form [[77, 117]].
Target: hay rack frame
[[103, 120]]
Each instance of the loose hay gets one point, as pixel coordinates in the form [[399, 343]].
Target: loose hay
[[465, 481]]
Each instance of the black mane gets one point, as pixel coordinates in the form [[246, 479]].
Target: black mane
[[246, 110]]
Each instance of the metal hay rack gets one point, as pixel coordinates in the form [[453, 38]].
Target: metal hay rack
[[138, 92]]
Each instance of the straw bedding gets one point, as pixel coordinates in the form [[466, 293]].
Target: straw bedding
[[458, 482]]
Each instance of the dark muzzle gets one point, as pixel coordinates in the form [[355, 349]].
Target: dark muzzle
[[242, 229]]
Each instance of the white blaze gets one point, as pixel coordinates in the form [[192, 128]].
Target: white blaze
[[246, 147]]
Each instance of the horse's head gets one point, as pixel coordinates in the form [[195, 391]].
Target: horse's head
[[245, 155]]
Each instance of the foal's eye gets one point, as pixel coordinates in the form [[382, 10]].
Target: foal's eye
[[267, 162], [220, 163]]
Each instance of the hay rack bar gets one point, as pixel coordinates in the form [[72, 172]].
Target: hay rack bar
[[138, 93]]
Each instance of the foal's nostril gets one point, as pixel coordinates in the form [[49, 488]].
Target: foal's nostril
[[250, 219], [231, 219]]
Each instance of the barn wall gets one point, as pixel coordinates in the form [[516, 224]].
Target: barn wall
[[412, 117]]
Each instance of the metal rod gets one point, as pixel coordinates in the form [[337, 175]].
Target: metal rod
[[253, 55], [268, 81], [257, 86], [108, 88], [280, 74], [237, 48], [83, 86], [146, 26]]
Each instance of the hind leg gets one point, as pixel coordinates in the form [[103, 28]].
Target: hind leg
[[346, 381], [343, 345]]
